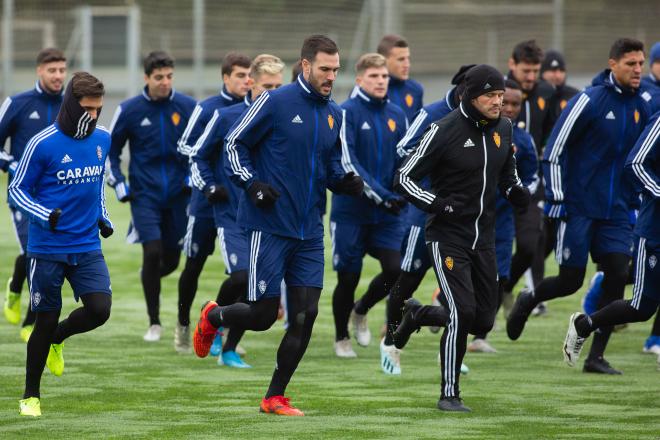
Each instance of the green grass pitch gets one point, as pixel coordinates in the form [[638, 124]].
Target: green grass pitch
[[117, 386]]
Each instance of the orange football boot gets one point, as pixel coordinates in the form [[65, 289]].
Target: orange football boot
[[279, 405], [204, 331]]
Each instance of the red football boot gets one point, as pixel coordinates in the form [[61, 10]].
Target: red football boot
[[279, 405], [204, 331]]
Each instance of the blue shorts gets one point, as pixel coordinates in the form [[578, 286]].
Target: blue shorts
[[505, 232], [152, 221], [414, 253], [86, 273], [274, 258], [21, 223], [199, 240], [578, 236], [234, 248], [350, 243], [647, 271]]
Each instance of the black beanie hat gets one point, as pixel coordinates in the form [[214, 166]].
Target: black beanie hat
[[553, 60], [482, 79], [460, 75]]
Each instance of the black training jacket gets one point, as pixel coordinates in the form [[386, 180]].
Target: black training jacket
[[461, 157]]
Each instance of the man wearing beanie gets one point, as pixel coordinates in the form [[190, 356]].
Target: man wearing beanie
[[553, 70], [59, 185], [415, 258], [468, 156]]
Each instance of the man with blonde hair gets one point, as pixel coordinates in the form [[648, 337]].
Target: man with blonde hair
[[368, 223], [210, 178]]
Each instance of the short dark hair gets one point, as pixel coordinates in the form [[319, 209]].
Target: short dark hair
[[234, 59], [624, 45], [50, 55], [85, 84], [296, 69], [511, 84], [157, 60], [527, 52], [390, 41], [315, 44]]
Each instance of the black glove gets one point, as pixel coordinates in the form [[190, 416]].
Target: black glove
[[394, 206], [54, 217], [127, 198], [449, 207], [216, 194], [186, 190], [351, 184], [262, 194], [519, 197], [106, 230]]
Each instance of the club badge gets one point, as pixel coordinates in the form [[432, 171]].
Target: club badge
[[449, 262], [497, 139], [541, 103], [392, 124], [176, 118], [409, 100], [331, 122], [99, 152]]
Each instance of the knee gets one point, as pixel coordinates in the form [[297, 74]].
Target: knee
[[239, 278], [152, 252], [170, 261], [46, 322], [347, 281], [571, 279], [466, 316], [266, 315], [616, 275], [100, 310], [21, 260], [484, 323], [526, 245]]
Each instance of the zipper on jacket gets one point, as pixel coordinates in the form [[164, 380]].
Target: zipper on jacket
[[483, 190], [311, 174], [527, 115], [163, 172], [615, 163]]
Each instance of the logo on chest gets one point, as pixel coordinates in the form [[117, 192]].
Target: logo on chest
[[497, 139], [176, 118], [409, 100], [331, 122], [391, 123]]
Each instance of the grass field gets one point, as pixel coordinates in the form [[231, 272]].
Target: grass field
[[117, 386]]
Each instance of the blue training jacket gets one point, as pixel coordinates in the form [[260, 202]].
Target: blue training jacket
[[156, 170], [430, 113], [57, 171], [208, 166], [200, 117], [289, 138], [371, 131], [643, 164], [584, 157], [407, 94], [21, 117]]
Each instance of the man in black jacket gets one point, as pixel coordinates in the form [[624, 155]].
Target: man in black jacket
[[466, 155], [553, 71]]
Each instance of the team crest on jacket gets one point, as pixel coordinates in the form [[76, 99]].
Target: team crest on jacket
[[497, 139], [562, 104], [392, 124], [176, 118], [449, 262], [331, 122], [652, 261], [409, 100], [541, 103], [99, 152], [636, 116]]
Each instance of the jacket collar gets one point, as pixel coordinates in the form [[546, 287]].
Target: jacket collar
[[308, 91], [370, 100], [247, 100], [475, 118], [39, 90], [228, 96], [145, 95]]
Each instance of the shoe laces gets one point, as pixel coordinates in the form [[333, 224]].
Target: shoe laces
[[280, 400], [579, 342]]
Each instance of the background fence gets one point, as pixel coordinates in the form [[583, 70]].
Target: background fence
[[110, 37]]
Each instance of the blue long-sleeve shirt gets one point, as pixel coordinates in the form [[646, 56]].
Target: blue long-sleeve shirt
[[156, 170], [289, 138], [643, 165], [371, 131], [584, 157], [208, 166], [21, 117], [57, 171], [200, 117]]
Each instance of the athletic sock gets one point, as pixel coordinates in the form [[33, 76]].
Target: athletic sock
[[19, 274], [188, 282]]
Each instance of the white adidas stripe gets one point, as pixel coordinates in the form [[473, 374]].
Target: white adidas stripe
[[638, 161]]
